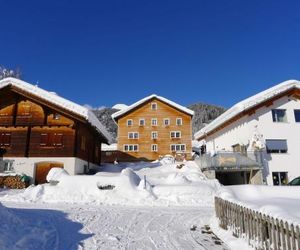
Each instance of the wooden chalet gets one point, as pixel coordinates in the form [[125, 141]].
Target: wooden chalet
[[154, 127], [40, 130]]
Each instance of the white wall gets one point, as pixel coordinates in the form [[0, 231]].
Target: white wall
[[242, 131], [27, 165]]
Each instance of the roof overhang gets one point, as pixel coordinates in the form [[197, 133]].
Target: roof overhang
[[139, 103], [249, 105], [56, 102]]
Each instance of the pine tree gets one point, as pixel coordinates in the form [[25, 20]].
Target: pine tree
[[5, 72]]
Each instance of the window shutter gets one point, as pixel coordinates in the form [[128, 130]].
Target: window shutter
[[44, 139], [58, 139], [276, 144]]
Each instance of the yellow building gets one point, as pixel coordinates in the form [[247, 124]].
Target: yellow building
[[153, 127]]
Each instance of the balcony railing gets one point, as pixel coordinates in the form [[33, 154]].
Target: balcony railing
[[226, 160]]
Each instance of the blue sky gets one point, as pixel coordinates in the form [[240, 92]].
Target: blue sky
[[106, 52]]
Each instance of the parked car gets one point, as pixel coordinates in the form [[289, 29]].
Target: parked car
[[295, 182]]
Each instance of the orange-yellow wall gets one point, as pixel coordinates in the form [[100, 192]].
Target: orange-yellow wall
[[164, 141]]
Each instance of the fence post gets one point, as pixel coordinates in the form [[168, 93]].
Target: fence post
[[261, 231]]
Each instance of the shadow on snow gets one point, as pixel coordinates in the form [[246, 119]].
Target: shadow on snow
[[39, 229]]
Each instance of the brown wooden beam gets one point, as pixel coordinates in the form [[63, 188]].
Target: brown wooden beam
[[27, 148], [15, 111]]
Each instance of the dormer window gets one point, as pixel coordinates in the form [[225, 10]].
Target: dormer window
[[154, 106]]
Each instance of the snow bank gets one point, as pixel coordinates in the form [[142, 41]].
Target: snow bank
[[55, 174], [126, 189], [281, 202], [142, 183]]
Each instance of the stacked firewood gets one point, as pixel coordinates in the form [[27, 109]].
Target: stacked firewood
[[14, 182]]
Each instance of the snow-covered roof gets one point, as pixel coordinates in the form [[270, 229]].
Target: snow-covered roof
[[138, 103], [111, 147], [120, 106], [247, 104], [53, 98]]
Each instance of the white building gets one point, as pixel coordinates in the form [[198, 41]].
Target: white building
[[268, 122]]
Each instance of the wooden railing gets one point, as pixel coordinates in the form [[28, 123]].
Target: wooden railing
[[260, 230]]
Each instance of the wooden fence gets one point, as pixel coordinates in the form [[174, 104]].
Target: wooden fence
[[260, 230]]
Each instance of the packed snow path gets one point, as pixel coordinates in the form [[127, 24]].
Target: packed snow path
[[116, 227]]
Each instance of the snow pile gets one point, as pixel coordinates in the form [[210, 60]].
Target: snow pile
[[142, 183], [281, 202], [177, 178], [167, 159], [125, 188], [55, 174]]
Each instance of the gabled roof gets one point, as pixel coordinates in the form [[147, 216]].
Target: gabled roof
[[140, 102], [247, 104], [58, 101]]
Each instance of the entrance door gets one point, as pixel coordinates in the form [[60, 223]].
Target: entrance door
[[43, 168], [279, 178]]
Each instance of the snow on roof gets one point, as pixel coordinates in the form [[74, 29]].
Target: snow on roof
[[120, 106], [58, 101], [247, 104], [136, 104], [111, 147]]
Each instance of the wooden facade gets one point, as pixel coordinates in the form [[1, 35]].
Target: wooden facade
[[138, 132], [32, 127]]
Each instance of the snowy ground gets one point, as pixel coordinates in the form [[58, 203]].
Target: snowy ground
[[281, 202], [76, 214], [110, 227]]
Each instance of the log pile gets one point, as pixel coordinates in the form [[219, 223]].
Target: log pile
[[14, 182]]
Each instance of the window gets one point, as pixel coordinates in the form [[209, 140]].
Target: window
[[26, 108], [154, 135], [133, 135], [279, 115], [279, 178], [276, 146], [131, 148], [154, 121], [154, 106], [166, 121], [129, 122], [175, 134], [154, 148], [177, 147], [297, 115], [179, 121], [142, 122], [56, 116], [5, 139], [51, 140]]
